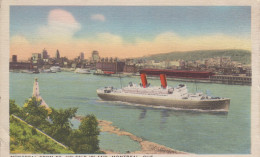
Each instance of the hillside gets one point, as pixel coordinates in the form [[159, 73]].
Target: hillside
[[242, 56], [26, 139]]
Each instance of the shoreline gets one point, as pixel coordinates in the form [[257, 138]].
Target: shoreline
[[147, 147], [234, 81]]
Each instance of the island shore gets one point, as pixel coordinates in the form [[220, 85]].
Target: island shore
[[147, 147]]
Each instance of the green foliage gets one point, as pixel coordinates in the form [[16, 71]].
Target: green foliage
[[61, 117], [24, 133], [13, 108], [16, 110], [89, 126], [32, 107], [61, 126], [36, 115], [242, 56], [85, 140], [56, 123], [34, 132], [25, 139]]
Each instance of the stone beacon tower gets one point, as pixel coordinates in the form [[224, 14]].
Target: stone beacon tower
[[36, 93]]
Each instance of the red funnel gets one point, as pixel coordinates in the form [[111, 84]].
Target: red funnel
[[144, 80], [163, 80]]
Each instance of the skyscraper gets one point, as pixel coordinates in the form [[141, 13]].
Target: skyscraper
[[36, 56], [14, 58], [81, 56], [44, 54], [95, 56], [57, 54]]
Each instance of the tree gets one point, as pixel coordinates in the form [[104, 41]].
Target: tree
[[89, 126], [13, 108], [61, 126], [56, 123], [34, 131], [85, 140], [36, 115], [16, 110]]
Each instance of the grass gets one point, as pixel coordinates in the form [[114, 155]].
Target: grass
[[25, 139]]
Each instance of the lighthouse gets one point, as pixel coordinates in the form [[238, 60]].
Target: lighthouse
[[36, 93]]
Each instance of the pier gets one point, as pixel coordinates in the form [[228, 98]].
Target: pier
[[230, 79]]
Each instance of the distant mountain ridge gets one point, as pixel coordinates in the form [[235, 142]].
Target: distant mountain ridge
[[242, 56]]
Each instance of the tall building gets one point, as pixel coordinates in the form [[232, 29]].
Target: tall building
[[36, 56], [115, 67], [206, 63], [81, 56], [95, 56], [36, 60], [57, 56], [111, 59], [44, 54], [14, 58]]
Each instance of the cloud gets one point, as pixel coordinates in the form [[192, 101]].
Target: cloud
[[108, 38], [61, 26], [98, 17]]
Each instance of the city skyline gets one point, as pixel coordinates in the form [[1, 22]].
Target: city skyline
[[126, 31]]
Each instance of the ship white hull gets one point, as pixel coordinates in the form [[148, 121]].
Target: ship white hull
[[82, 71], [213, 104], [55, 69]]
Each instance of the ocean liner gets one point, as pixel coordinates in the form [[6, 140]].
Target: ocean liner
[[176, 97]]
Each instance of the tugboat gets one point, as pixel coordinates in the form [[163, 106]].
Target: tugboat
[[176, 97]]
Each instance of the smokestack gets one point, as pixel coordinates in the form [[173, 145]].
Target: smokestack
[[163, 80], [144, 80]]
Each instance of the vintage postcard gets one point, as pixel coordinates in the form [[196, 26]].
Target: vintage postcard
[[130, 79]]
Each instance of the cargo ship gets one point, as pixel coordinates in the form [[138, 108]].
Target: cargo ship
[[176, 97]]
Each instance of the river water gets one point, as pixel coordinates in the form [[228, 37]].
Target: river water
[[189, 131]]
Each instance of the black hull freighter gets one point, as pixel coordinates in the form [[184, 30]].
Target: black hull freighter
[[177, 97]]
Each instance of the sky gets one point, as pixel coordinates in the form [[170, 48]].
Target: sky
[[127, 31]]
